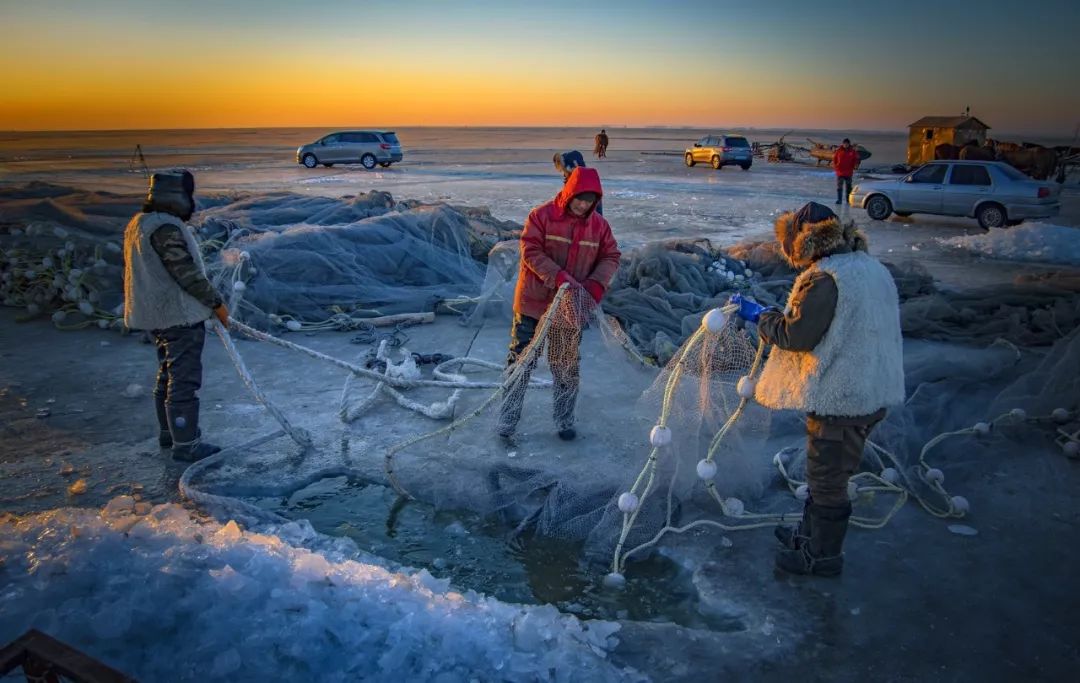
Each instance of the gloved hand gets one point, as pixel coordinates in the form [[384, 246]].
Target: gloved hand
[[748, 310], [222, 314], [595, 289], [565, 278]]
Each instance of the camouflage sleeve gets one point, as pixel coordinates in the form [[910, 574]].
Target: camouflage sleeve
[[171, 248]]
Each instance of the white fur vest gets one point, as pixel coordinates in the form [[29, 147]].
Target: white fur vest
[[858, 366], [153, 300]]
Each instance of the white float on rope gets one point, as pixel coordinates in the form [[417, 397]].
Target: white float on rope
[[660, 436], [706, 469], [714, 321], [628, 502]]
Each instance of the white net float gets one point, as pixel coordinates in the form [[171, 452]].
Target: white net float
[[660, 436], [714, 321], [934, 476], [734, 507], [746, 386], [628, 502], [706, 469]]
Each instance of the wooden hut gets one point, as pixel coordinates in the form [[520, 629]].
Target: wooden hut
[[931, 131]]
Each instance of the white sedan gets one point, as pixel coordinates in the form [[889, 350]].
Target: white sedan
[[994, 193]]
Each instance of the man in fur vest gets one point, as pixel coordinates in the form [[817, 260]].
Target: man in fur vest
[[166, 292], [837, 354]]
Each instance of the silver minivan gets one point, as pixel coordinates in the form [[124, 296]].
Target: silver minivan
[[365, 147]]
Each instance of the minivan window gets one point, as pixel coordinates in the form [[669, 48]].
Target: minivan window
[[932, 174], [737, 142], [963, 174], [369, 137], [391, 138], [331, 139]]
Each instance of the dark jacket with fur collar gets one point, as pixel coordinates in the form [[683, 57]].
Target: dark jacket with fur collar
[[802, 331], [812, 305]]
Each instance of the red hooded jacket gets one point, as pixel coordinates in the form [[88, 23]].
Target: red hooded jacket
[[845, 162], [555, 240]]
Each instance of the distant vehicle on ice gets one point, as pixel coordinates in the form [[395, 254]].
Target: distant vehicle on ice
[[720, 151], [994, 193], [365, 147]]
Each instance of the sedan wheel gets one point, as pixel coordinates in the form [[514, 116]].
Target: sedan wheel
[[690, 159], [879, 207], [991, 216], [368, 161], [310, 161], [716, 163]]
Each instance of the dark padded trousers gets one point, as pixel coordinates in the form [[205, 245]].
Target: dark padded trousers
[[564, 360], [179, 352], [843, 188], [834, 451]]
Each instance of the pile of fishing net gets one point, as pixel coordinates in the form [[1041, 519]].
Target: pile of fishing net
[[281, 257]]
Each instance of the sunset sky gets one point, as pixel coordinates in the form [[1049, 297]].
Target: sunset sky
[[115, 64]]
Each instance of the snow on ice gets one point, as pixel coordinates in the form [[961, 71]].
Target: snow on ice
[[1036, 242], [164, 596]]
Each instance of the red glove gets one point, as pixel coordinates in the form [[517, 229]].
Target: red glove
[[595, 289], [564, 278]]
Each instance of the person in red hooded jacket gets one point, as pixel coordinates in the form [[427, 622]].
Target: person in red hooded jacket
[[565, 241], [844, 161]]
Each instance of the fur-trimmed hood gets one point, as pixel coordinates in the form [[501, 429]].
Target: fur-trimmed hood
[[814, 232]]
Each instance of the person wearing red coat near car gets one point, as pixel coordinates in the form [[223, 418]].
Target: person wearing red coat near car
[[844, 161], [565, 241]]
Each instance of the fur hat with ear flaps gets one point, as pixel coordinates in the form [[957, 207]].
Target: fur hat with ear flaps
[[171, 192], [814, 232]]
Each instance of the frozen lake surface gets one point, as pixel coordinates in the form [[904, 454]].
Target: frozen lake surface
[[917, 601]]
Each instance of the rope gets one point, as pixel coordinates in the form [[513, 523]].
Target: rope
[[519, 368]]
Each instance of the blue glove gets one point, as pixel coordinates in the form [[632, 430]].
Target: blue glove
[[748, 310]]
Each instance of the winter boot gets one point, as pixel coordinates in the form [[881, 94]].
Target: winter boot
[[187, 440], [164, 435], [793, 537], [822, 553], [567, 434]]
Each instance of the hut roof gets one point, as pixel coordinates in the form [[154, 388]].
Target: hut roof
[[948, 122]]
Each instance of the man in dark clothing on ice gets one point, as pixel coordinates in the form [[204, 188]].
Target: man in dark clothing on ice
[[837, 355], [166, 292]]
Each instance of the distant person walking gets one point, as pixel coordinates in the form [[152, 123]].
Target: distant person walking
[[601, 143], [566, 162], [844, 161]]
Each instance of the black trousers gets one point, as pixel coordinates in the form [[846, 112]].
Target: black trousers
[[564, 359], [842, 182], [834, 452], [179, 352]]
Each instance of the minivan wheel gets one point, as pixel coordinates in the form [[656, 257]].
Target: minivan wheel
[[878, 207], [310, 161], [690, 160], [991, 216], [384, 164], [716, 163], [368, 161]]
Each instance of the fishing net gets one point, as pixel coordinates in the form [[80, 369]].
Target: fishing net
[[320, 263]]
